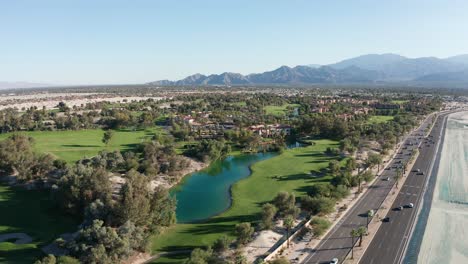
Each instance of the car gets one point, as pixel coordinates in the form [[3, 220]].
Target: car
[[420, 173], [386, 179], [410, 205], [416, 170], [386, 219], [334, 261], [399, 208]]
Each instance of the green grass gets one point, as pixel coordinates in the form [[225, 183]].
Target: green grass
[[30, 212], [74, 145], [278, 110], [292, 166], [240, 103], [400, 101], [379, 119]]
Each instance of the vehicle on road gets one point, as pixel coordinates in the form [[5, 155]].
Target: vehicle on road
[[399, 208], [334, 261], [386, 219], [410, 205], [420, 173], [386, 179]]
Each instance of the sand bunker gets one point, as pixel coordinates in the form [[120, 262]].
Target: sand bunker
[[19, 238]]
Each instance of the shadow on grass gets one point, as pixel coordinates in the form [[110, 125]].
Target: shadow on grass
[[81, 146], [20, 255], [31, 212]]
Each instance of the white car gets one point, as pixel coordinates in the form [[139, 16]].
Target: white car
[[334, 261], [410, 205]]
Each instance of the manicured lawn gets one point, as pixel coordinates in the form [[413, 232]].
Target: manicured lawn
[[278, 110], [30, 212], [379, 119], [289, 171], [74, 145], [240, 103], [400, 101]]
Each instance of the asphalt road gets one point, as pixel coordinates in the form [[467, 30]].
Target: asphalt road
[[338, 241], [389, 243]]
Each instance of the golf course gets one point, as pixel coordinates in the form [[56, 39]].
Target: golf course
[[294, 170]]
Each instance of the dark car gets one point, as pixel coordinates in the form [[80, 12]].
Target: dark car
[[386, 219]]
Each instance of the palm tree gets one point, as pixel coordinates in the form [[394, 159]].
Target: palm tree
[[398, 176], [361, 232], [288, 222], [354, 233], [370, 214]]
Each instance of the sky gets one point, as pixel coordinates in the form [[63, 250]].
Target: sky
[[134, 41]]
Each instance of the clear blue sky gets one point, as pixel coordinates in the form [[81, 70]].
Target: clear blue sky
[[98, 41]]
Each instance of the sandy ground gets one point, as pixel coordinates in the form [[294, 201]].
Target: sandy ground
[[445, 239], [50, 101], [20, 238]]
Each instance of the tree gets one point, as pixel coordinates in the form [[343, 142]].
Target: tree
[[268, 214], [362, 231], [285, 202], [281, 260], [106, 138], [244, 232], [288, 222], [374, 159], [334, 166], [49, 259], [351, 164], [200, 256], [354, 233], [370, 214], [398, 175], [221, 244], [318, 205]]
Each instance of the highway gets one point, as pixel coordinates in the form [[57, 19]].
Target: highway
[[390, 241], [337, 243]]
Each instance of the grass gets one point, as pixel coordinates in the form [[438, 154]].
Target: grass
[[289, 171], [73, 145], [377, 119], [278, 110], [400, 101], [30, 212], [240, 103]]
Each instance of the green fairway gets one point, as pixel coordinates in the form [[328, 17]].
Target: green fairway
[[379, 119], [72, 145], [278, 110], [289, 171], [400, 101], [30, 212]]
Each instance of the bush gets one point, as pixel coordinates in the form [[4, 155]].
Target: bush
[[244, 232], [318, 205], [319, 225]]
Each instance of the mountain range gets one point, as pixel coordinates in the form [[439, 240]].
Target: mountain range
[[371, 68]]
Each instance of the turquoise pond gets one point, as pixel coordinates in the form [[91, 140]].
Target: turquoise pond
[[207, 193]]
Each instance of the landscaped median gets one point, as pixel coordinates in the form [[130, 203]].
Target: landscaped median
[[293, 171]]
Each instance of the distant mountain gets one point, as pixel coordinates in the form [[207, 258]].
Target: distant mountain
[[398, 68], [282, 75], [461, 76], [371, 68], [462, 59], [375, 62]]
